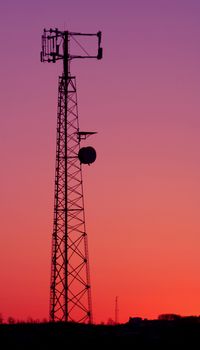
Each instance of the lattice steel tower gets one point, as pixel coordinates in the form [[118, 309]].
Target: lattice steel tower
[[70, 293]]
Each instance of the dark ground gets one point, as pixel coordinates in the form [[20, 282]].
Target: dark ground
[[142, 334]]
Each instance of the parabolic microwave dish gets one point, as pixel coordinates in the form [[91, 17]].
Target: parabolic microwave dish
[[87, 155]]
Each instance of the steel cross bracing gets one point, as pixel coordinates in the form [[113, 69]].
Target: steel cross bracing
[[70, 265], [70, 292]]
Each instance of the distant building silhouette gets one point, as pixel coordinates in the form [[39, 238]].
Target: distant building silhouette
[[169, 317], [135, 320]]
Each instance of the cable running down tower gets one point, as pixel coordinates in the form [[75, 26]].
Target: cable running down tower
[[70, 292]]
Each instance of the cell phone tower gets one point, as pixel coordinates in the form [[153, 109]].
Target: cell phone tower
[[116, 311], [70, 290]]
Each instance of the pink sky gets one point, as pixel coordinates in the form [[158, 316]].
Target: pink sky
[[142, 195]]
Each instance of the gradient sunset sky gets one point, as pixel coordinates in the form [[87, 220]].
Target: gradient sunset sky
[[142, 195]]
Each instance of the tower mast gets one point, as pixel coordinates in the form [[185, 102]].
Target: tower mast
[[116, 310], [70, 290]]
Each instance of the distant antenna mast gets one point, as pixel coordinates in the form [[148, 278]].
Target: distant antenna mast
[[116, 311], [70, 295]]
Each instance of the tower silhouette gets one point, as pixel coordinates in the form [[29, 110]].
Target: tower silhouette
[[70, 290], [116, 311]]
